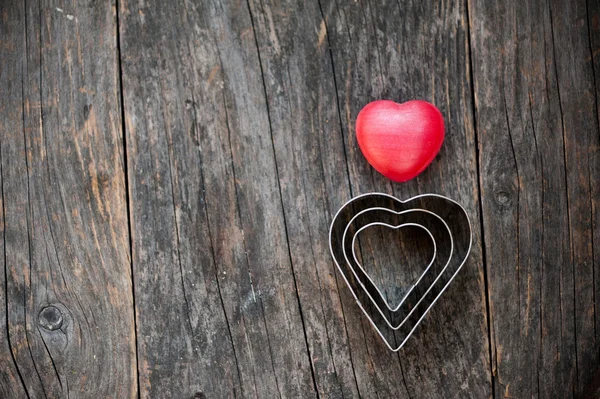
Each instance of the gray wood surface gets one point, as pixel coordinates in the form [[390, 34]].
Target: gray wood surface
[[169, 171], [67, 293]]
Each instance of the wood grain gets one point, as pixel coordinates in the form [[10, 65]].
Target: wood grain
[[168, 173], [206, 209], [67, 277], [537, 129], [181, 323], [300, 88]]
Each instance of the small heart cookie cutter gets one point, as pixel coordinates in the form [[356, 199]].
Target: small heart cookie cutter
[[446, 223]]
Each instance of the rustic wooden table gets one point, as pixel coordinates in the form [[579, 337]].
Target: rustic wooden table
[[169, 171]]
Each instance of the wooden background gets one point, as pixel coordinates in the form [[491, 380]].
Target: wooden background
[[169, 170]]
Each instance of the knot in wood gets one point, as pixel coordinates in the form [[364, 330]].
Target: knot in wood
[[50, 318], [503, 198]]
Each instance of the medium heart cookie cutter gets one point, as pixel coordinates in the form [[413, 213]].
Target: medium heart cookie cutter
[[426, 220], [367, 210]]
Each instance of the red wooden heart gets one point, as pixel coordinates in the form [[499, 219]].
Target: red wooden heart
[[400, 140]]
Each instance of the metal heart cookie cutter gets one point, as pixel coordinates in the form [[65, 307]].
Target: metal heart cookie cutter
[[445, 223]]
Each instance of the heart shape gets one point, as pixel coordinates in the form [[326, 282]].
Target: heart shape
[[415, 306], [431, 222], [400, 140], [389, 234]]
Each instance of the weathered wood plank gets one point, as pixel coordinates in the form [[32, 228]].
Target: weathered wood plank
[[300, 89], [593, 15], [12, 46], [208, 228], [537, 129], [405, 50], [68, 291], [577, 96], [183, 339]]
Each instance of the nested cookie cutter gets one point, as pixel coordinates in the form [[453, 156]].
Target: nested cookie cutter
[[363, 211], [424, 219]]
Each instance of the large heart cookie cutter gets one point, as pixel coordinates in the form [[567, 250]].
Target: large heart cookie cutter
[[452, 236]]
